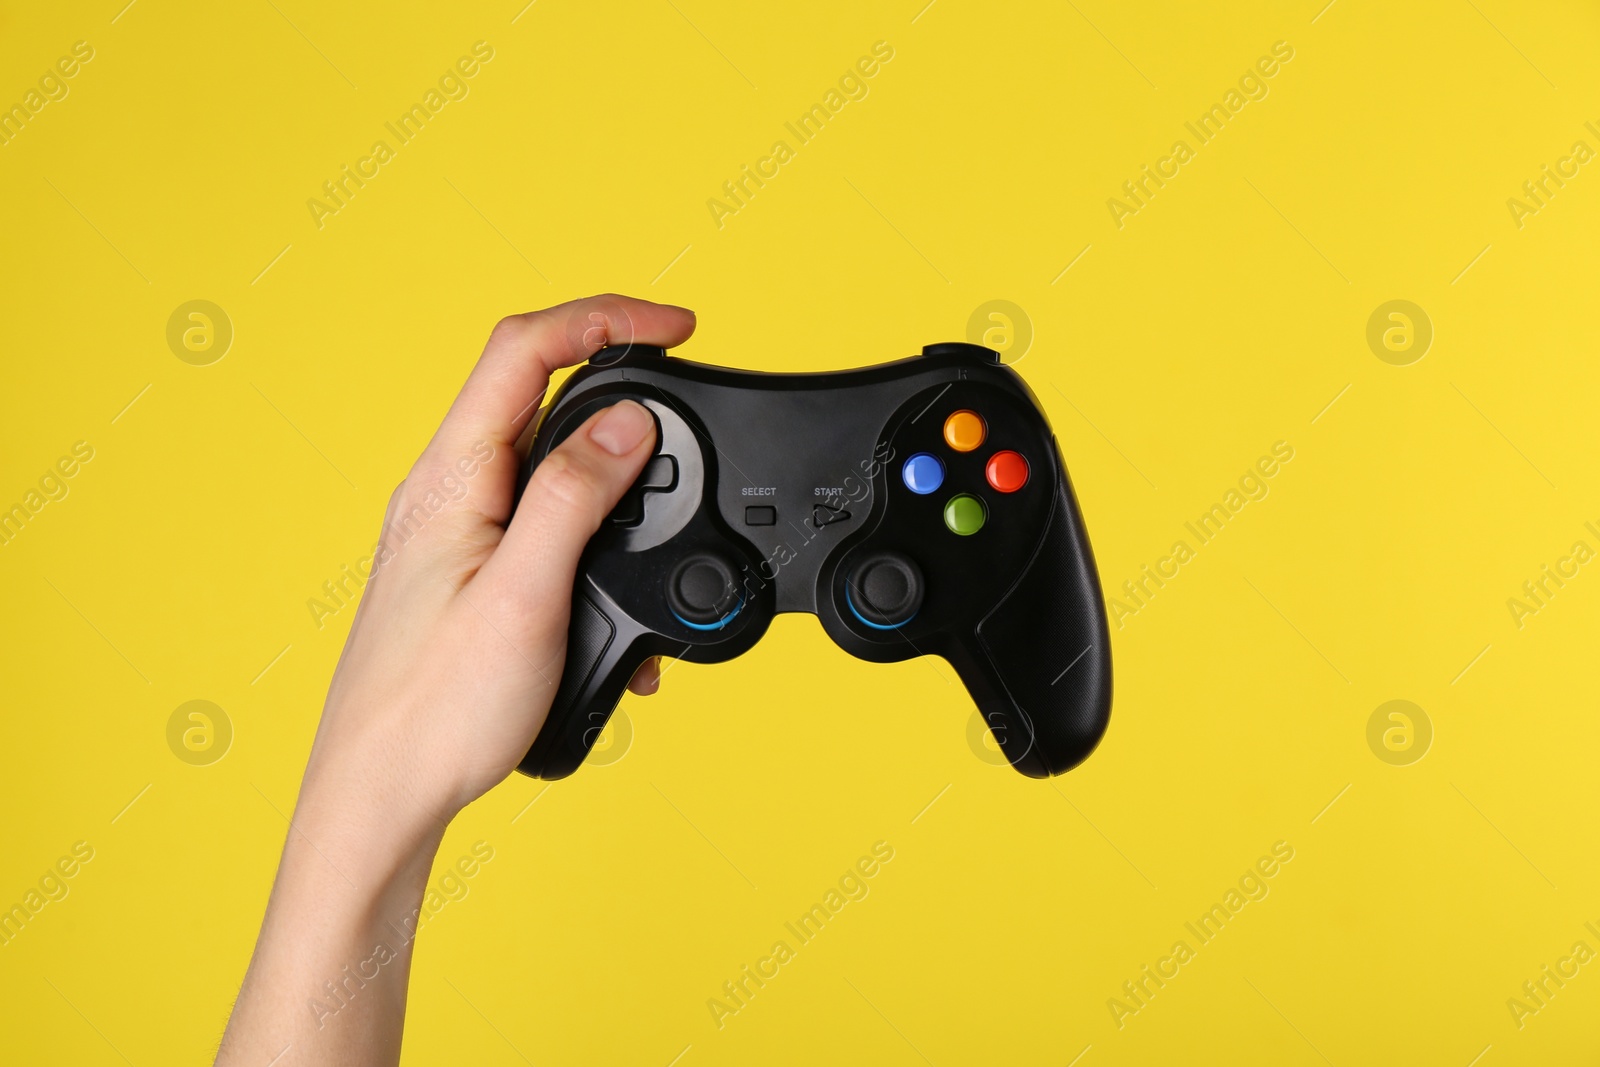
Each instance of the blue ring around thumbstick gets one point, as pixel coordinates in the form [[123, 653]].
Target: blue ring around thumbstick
[[923, 473], [720, 623], [851, 604]]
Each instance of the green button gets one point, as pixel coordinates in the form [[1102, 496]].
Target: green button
[[964, 514]]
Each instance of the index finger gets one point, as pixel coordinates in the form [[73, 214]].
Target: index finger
[[505, 389]]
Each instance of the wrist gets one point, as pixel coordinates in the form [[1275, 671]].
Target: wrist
[[377, 826], [370, 774]]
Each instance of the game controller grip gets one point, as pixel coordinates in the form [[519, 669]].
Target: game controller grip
[[1038, 666], [601, 658]]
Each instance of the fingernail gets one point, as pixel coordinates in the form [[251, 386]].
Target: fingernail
[[622, 428]]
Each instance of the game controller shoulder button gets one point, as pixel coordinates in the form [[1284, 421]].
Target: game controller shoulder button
[[961, 348], [615, 353]]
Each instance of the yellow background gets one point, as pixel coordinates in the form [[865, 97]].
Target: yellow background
[[1223, 317]]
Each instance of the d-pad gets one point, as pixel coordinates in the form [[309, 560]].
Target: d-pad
[[660, 476]]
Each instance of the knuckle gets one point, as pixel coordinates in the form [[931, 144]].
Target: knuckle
[[394, 501], [410, 518], [563, 480], [382, 551], [430, 494], [510, 330]]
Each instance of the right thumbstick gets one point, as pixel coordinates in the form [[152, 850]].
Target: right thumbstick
[[884, 590]]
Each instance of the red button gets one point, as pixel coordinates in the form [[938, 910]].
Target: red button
[[1007, 471]]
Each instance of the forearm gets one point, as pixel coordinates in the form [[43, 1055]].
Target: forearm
[[327, 984]]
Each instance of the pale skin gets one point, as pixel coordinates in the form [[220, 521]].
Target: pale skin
[[444, 682]]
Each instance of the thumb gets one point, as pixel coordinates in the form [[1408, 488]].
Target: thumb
[[569, 494]]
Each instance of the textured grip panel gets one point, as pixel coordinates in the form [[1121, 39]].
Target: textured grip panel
[[567, 731], [1050, 652]]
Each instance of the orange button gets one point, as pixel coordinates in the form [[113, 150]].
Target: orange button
[[964, 431], [1007, 471]]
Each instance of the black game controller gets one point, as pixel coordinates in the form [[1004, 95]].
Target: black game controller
[[917, 507]]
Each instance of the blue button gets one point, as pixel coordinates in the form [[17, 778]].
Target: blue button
[[923, 473]]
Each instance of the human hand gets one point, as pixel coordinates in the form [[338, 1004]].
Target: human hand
[[458, 644], [446, 678]]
